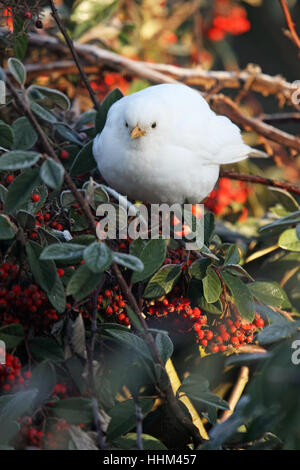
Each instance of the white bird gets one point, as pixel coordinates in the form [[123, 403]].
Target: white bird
[[164, 144]]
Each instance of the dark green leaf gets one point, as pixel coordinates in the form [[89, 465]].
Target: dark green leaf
[[52, 173], [242, 296], [12, 335], [108, 101], [164, 345], [69, 252], [269, 293], [18, 159], [212, 287], [98, 257], [24, 135], [84, 161], [198, 268], [128, 261], [17, 70], [6, 136], [123, 416], [83, 282], [6, 229], [74, 410], [20, 189], [163, 281], [152, 256]]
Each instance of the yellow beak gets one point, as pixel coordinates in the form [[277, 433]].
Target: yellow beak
[[137, 132]]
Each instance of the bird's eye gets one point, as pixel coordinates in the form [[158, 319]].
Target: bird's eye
[[153, 125], [126, 124]]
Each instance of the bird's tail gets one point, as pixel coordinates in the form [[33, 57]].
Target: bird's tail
[[233, 154]]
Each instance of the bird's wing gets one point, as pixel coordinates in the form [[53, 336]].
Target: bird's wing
[[214, 138]]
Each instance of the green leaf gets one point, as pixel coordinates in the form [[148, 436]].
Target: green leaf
[[164, 345], [84, 161], [129, 340], [20, 189], [137, 246], [198, 268], [17, 70], [212, 286], [33, 207], [123, 416], [57, 295], [210, 399], [18, 159], [43, 379], [74, 410], [46, 348], [68, 252], [163, 281], [288, 240], [46, 276], [20, 37], [78, 220], [108, 101], [152, 257], [242, 296], [44, 272], [83, 282], [24, 135], [68, 134], [209, 227], [277, 332], [12, 335], [43, 113], [12, 407], [98, 257], [269, 293], [52, 173], [128, 261], [232, 255], [6, 228], [26, 219], [54, 97], [6, 136]]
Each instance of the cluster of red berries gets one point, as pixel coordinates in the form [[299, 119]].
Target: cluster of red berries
[[225, 194], [29, 435], [43, 219], [228, 19], [11, 377], [60, 390], [113, 305], [21, 304], [214, 336], [56, 438]]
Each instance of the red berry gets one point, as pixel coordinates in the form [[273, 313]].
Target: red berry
[[60, 272], [27, 15], [35, 197], [64, 155]]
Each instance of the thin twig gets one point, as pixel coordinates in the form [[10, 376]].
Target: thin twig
[[260, 180], [290, 23], [95, 406], [236, 392], [139, 423], [74, 53]]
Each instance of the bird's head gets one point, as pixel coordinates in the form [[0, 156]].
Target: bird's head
[[142, 119]]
